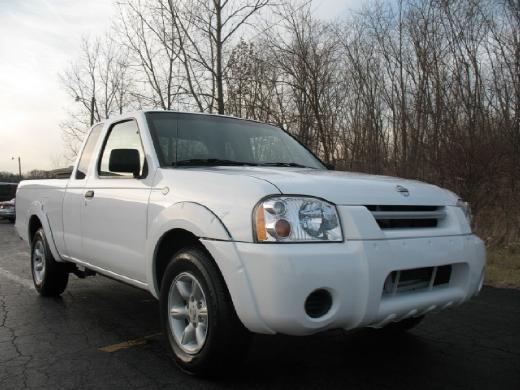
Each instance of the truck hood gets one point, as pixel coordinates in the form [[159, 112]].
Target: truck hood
[[346, 188]]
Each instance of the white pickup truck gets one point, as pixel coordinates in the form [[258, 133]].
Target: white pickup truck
[[236, 228]]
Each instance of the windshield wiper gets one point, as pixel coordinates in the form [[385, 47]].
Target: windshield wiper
[[284, 164], [218, 161], [210, 162]]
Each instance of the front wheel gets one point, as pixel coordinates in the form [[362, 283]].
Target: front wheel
[[50, 277], [198, 317]]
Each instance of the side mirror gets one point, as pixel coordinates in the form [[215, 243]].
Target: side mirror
[[125, 161]]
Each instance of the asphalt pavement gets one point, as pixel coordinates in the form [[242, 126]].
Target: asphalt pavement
[[102, 334]]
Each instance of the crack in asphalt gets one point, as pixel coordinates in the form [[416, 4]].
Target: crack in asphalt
[[3, 311]]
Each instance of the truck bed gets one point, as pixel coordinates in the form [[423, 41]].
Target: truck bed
[[41, 195]]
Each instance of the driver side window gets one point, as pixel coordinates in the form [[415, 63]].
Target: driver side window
[[88, 150], [122, 135]]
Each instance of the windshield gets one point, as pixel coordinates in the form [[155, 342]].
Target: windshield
[[192, 139]]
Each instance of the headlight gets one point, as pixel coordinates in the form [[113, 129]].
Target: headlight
[[466, 208], [296, 219]]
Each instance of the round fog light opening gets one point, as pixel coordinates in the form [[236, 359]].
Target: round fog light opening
[[318, 303]]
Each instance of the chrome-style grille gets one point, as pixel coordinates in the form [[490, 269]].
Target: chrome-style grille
[[401, 217]]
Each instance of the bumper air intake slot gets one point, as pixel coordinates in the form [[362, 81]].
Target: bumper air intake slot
[[416, 279]]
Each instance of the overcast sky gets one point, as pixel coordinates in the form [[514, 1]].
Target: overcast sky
[[38, 38]]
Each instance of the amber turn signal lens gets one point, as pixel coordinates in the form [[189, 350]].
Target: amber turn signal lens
[[261, 233], [282, 228]]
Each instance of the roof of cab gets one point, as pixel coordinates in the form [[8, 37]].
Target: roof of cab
[[138, 112]]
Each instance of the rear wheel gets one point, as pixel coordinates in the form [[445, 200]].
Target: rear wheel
[[198, 317], [50, 277]]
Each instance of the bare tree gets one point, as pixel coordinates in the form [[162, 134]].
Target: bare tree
[[98, 82], [206, 29], [147, 30]]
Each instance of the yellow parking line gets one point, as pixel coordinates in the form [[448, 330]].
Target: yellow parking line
[[128, 344]]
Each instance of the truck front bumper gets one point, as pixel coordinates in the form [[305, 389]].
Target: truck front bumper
[[270, 283]]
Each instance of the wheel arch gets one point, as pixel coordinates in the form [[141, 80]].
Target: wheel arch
[[169, 244], [180, 225], [38, 219], [196, 224], [33, 226]]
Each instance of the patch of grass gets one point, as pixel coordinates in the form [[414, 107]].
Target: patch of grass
[[503, 268]]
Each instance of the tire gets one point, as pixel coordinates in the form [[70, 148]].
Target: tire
[[50, 277], [205, 342], [402, 326]]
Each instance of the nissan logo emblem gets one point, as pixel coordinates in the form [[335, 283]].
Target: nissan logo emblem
[[402, 190]]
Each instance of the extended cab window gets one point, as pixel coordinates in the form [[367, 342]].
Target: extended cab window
[[122, 135], [86, 156]]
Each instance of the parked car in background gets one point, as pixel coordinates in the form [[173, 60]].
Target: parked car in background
[[235, 227], [8, 210]]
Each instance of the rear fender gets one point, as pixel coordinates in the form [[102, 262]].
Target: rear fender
[[37, 209]]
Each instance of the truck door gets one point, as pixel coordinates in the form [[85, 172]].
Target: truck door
[[73, 199], [114, 217]]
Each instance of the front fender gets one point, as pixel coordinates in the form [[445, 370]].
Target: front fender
[[190, 216]]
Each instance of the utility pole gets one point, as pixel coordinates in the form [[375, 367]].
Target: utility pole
[[19, 166]]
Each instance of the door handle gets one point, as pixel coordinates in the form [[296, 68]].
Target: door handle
[[89, 194]]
